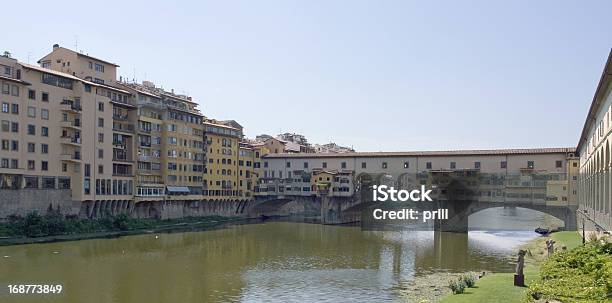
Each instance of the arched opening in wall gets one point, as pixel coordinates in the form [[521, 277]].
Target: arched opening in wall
[[406, 181], [363, 186], [607, 179], [514, 219]]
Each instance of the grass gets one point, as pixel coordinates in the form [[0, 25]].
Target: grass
[[499, 287], [496, 287]]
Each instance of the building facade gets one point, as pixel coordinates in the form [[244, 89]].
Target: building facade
[[547, 176], [595, 182]]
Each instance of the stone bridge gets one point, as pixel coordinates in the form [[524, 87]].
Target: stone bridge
[[459, 192]]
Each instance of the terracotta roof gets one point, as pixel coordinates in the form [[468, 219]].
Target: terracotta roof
[[219, 125], [50, 71], [429, 153]]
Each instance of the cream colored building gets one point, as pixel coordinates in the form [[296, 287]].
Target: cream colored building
[[63, 116], [104, 145], [595, 151], [516, 174]]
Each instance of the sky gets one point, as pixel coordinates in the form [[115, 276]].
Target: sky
[[374, 75]]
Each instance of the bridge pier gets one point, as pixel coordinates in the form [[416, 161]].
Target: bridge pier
[[458, 215]]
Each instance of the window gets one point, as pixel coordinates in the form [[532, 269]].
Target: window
[[503, 164], [87, 88], [343, 165], [56, 81], [31, 165], [100, 137], [31, 111], [44, 165], [5, 107], [87, 170], [477, 165], [558, 164], [305, 164], [100, 154], [31, 129], [453, 165], [384, 165], [31, 94], [5, 144], [406, 164], [44, 148], [288, 164], [100, 106], [45, 97], [363, 165], [530, 164], [324, 164], [15, 127], [15, 108], [100, 169], [428, 165], [44, 131], [31, 147], [6, 126], [44, 114], [100, 122], [99, 67], [14, 145], [15, 90]]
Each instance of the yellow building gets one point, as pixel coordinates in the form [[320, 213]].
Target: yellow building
[[221, 143]]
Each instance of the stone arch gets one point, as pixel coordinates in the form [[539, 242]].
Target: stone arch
[[363, 185], [566, 215]]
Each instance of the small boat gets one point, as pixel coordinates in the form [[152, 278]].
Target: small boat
[[542, 231]]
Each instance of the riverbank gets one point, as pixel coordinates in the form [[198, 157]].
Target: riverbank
[[498, 287], [39, 229]]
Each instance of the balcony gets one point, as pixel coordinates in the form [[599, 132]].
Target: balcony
[[126, 128], [76, 157], [122, 158], [70, 141], [76, 124], [120, 117], [70, 106]]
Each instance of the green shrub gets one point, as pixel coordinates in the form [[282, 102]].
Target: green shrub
[[469, 280], [581, 274], [457, 286]]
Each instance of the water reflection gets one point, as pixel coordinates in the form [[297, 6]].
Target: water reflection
[[271, 262]]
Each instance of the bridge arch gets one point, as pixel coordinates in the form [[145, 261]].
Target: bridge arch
[[566, 214]]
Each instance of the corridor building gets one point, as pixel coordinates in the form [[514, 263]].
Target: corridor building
[[595, 183]]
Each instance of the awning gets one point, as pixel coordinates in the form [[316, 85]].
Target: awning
[[177, 189]]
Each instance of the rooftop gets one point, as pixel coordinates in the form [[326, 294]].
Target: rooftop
[[598, 100], [479, 152]]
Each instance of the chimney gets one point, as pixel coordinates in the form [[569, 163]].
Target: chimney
[[55, 46]]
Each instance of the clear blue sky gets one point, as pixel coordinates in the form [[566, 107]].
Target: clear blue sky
[[378, 75]]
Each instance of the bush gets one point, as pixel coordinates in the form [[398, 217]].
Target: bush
[[581, 274], [121, 222], [469, 280], [457, 286]]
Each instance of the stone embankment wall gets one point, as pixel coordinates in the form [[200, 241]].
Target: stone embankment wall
[[23, 202]]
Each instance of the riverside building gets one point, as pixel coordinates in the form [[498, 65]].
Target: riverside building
[[81, 142], [594, 148]]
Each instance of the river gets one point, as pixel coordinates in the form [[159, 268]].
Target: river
[[265, 262]]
